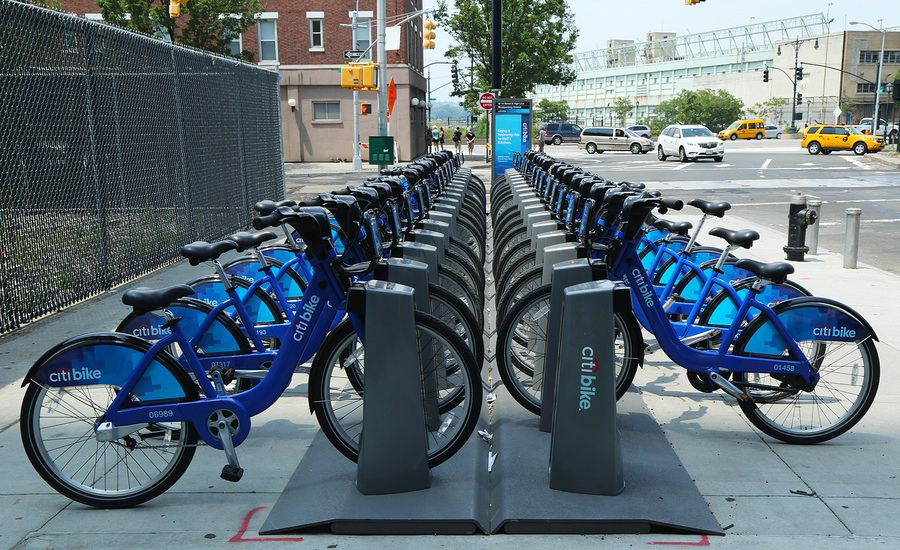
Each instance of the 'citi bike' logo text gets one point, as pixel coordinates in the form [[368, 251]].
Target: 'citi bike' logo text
[[588, 379], [304, 316], [149, 330], [840, 332], [74, 375], [643, 288]]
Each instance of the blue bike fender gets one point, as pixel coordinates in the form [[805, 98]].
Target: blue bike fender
[[107, 358], [837, 322]]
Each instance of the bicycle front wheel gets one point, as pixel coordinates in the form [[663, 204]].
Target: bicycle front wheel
[[522, 346], [337, 379], [57, 426]]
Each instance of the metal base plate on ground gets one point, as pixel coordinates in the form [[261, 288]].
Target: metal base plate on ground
[[659, 495]]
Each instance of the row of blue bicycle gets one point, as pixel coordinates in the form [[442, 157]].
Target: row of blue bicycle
[[114, 419], [803, 369]]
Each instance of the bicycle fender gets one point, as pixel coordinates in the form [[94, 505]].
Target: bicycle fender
[[806, 318], [223, 337], [108, 358]]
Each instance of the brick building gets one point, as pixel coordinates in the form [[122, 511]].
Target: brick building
[[305, 40]]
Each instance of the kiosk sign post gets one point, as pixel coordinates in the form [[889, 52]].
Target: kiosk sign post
[[511, 132]]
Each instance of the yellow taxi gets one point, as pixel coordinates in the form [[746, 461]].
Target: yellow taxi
[[825, 138], [745, 129]]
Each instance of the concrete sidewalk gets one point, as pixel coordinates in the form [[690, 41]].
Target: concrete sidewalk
[[842, 494]]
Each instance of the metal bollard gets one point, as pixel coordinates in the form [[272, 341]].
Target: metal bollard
[[798, 218], [812, 234], [851, 238]]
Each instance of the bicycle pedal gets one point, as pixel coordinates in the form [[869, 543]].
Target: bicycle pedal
[[232, 473]]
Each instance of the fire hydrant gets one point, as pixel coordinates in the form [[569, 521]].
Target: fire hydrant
[[799, 217]]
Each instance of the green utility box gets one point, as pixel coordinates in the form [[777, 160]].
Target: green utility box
[[381, 150]]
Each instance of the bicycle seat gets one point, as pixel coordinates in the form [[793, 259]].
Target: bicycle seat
[[202, 251], [147, 299], [677, 228], [246, 240], [776, 272], [716, 208], [741, 237]]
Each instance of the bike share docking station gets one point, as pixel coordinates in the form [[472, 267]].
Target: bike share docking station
[[611, 469]]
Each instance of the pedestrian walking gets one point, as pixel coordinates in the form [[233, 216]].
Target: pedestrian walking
[[470, 139], [457, 140], [441, 137], [434, 139], [542, 135]]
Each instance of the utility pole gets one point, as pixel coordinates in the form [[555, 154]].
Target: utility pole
[[357, 159], [381, 22]]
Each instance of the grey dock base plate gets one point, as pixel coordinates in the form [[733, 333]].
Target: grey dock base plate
[[659, 495]]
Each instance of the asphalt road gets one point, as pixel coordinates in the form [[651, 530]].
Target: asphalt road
[[759, 178]]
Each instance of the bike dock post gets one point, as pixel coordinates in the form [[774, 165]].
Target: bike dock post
[[564, 274], [393, 445], [552, 255], [433, 238], [585, 450], [425, 253]]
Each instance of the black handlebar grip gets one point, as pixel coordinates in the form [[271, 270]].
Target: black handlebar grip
[[673, 204], [265, 207], [269, 220]]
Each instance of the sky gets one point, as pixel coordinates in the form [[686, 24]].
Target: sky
[[602, 20]]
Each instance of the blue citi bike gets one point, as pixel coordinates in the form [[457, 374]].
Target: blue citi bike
[[111, 420]]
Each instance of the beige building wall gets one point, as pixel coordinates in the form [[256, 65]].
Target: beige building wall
[[308, 140]]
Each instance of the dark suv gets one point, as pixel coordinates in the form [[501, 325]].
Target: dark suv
[[559, 132]]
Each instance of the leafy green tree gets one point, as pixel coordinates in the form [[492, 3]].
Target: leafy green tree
[[714, 109], [207, 24], [537, 38], [771, 109], [49, 4], [551, 110], [848, 106], [622, 106]]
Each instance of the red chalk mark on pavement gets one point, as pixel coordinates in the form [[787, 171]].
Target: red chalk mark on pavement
[[239, 537], [704, 541]]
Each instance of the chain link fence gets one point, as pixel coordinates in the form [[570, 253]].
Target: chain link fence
[[117, 149]]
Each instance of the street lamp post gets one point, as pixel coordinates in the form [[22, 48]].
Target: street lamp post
[[796, 43], [878, 78]]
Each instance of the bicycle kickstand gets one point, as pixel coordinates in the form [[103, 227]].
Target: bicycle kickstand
[[231, 471]]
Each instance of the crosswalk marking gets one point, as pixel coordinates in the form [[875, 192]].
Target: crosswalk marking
[[765, 164]]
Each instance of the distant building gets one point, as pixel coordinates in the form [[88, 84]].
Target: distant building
[[733, 60], [304, 41]]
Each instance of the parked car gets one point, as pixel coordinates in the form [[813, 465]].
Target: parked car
[[773, 132], [560, 132], [883, 129], [745, 129], [641, 130], [597, 140], [825, 138], [689, 142]]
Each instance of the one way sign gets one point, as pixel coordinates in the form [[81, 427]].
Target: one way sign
[[353, 54]]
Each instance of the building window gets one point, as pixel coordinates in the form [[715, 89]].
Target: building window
[[865, 88], [362, 37], [326, 110], [233, 47], [868, 56], [315, 34], [268, 40], [892, 56]]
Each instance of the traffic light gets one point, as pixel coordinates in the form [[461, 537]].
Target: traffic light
[[175, 8], [766, 75], [428, 35], [799, 98], [365, 108], [360, 76], [798, 73], [454, 73]]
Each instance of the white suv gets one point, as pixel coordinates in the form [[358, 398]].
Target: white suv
[[689, 142]]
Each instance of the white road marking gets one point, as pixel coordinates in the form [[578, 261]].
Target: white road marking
[[857, 163], [812, 196], [682, 166], [862, 220], [765, 164]]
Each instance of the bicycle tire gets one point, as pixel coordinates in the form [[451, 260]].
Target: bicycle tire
[[461, 264], [454, 313], [521, 341], [454, 283], [521, 265], [509, 256], [78, 409], [460, 247], [518, 287], [337, 403], [468, 236]]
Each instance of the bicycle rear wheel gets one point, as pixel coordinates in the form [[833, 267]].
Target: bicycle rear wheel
[[57, 427], [338, 372]]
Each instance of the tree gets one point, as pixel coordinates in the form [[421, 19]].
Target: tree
[[848, 106], [713, 109], [537, 38], [771, 109], [207, 24], [552, 110], [622, 106]]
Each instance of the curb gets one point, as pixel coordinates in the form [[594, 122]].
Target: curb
[[886, 161]]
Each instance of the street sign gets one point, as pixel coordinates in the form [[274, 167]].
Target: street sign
[[837, 112], [392, 96], [353, 54], [486, 101]]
